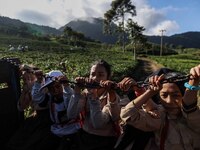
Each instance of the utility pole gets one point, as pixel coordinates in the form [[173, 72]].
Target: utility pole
[[161, 41]]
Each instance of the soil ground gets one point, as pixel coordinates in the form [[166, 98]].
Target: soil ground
[[144, 68]]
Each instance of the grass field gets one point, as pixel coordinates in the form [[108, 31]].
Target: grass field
[[182, 62], [74, 62]]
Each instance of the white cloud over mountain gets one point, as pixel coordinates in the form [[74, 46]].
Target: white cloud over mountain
[[56, 13]]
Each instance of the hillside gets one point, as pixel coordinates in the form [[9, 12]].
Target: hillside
[[92, 28], [10, 26], [187, 40]]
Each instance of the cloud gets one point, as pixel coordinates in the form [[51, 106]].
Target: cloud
[[149, 17], [155, 20], [95, 8], [169, 26], [35, 17], [57, 13], [68, 10]]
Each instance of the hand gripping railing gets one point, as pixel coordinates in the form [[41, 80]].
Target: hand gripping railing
[[172, 79], [139, 84]]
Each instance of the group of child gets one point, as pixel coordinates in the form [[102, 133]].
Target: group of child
[[90, 116]]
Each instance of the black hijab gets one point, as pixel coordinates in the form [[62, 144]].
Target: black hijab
[[168, 73]]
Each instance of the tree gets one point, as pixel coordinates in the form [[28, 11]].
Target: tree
[[181, 47], [135, 35], [171, 46], [119, 29], [23, 31], [73, 37], [68, 32], [119, 8]]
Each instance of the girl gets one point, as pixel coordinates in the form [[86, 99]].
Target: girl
[[99, 108], [36, 127], [176, 120], [57, 92]]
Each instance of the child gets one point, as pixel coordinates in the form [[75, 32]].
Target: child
[[34, 128], [57, 93], [176, 121], [131, 137], [99, 107]]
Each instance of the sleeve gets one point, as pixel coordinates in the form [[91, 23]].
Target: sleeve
[[101, 117], [37, 96], [113, 108], [98, 117], [193, 119], [75, 106], [67, 93], [139, 118]]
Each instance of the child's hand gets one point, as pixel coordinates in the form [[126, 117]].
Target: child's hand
[[155, 83], [127, 83], [63, 80], [107, 84], [195, 72]]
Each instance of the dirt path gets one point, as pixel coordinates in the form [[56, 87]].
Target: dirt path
[[145, 68]]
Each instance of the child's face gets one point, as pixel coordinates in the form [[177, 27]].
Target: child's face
[[171, 98], [56, 89], [28, 77], [98, 73]]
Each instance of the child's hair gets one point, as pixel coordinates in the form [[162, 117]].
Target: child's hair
[[168, 73], [103, 63], [179, 83]]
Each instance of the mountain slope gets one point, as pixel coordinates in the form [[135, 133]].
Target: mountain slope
[[187, 40], [14, 27], [92, 29]]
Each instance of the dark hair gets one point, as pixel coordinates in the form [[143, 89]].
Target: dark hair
[[106, 65], [179, 83], [159, 72], [168, 73]]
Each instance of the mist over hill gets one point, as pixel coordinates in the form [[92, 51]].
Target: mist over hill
[[92, 28], [16, 27]]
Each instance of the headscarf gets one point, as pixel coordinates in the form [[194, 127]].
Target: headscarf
[[168, 73]]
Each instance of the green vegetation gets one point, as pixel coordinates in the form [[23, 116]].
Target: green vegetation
[[181, 62], [119, 9], [74, 61]]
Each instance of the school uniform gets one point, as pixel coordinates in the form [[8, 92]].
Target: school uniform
[[181, 133], [99, 131], [63, 128]]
